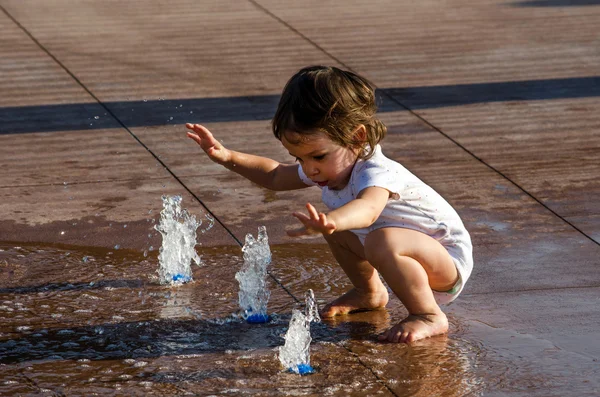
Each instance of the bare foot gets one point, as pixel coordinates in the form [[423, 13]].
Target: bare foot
[[415, 327], [354, 300]]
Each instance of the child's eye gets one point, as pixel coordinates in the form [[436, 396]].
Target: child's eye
[[321, 157]]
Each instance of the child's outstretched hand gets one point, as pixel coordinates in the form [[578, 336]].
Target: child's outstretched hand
[[213, 148], [314, 223]]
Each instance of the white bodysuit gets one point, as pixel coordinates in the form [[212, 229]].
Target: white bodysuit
[[412, 205]]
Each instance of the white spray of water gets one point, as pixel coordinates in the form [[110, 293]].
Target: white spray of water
[[254, 294], [178, 230], [295, 353]]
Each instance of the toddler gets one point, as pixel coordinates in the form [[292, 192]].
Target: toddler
[[382, 219]]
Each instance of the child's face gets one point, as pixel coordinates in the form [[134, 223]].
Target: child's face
[[322, 160]]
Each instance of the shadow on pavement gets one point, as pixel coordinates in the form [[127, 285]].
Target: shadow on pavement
[[93, 116], [159, 338], [73, 286], [556, 3]]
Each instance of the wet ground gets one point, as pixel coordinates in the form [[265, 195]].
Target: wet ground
[[495, 104], [93, 321], [98, 320]]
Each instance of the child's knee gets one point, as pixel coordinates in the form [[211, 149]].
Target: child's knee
[[377, 251], [384, 246]]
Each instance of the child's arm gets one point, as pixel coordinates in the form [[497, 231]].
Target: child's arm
[[358, 213], [263, 171]]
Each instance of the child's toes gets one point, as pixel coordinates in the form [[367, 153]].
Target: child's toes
[[405, 337], [384, 336]]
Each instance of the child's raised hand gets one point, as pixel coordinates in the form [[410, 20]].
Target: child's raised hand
[[203, 137], [314, 223]]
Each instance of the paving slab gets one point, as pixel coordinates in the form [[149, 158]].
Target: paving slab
[[183, 49], [554, 155], [101, 214], [436, 44]]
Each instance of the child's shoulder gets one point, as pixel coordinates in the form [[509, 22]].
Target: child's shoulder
[[379, 161], [379, 170]]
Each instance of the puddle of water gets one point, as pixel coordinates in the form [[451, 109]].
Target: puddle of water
[[88, 320], [522, 364]]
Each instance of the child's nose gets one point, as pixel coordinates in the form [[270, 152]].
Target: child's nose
[[311, 170]]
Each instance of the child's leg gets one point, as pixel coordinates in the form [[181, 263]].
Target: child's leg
[[368, 292], [413, 264]]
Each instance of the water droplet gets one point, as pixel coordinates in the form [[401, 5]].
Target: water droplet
[[124, 226], [191, 111], [62, 233], [96, 117], [117, 246], [151, 248], [145, 255], [145, 100]]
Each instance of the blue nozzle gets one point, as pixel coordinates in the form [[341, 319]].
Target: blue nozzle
[[181, 278], [257, 318], [303, 369]]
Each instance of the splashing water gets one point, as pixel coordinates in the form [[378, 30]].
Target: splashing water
[[254, 294], [294, 354], [178, 230], [311, 310]]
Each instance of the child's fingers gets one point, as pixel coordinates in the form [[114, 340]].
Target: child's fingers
[[194, 137], [323, 219], [194, 127], [301, 217], [205, 134], [312, 211], [199, 129]]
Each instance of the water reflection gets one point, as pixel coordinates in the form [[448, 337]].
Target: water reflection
[[441, 365], [82, 326]]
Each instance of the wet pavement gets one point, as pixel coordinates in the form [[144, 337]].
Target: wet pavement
[[496, 104]]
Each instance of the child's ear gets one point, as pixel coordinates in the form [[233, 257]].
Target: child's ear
[[360, 135]]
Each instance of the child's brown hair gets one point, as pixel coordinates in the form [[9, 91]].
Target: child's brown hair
[[331, 100]]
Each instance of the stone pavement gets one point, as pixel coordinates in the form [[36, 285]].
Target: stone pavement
[[496, 104]]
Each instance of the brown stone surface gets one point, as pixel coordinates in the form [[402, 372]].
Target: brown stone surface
[[503, 122]]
